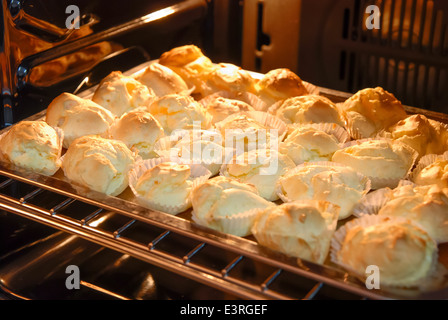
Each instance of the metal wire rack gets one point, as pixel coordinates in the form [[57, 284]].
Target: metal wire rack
[[230, 264]]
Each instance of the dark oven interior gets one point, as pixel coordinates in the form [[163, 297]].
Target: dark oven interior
[[43, 230]]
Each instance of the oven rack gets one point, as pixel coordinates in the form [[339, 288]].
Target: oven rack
[[230, 264]]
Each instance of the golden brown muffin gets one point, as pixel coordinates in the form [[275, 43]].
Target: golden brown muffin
[[371, 110], [33, 146], [179, 112], [98, 164], [301, 229], [191, 64], [139, 130], [78, 117], [422, 134], [162, 80], [384, 161], [280, 84], [404, 252], [231, 78], [427, 205], [307, 109], [120, 94]]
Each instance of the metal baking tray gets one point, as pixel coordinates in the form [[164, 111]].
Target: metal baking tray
[[182, 224]]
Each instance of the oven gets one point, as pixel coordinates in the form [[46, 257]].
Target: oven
[[122, 251]]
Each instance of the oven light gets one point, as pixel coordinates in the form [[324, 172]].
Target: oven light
[[158, 14]]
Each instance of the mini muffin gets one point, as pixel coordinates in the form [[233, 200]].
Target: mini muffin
[[371, 110], [191, 64], [139, 130], [179, 112], [300, 229], [307, 109], [260, 167], [220, 108], [404, 252], [34, 146], [98, 164], [78, 117], [432, 171], [384, 161], [422, 134], [167, 184], [308, 144], [427, 205], [231, 78], [162, 80], [280, 84], [227, 205], [338, 184], [120, 94]]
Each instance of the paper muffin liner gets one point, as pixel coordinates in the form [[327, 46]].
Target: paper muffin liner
[[339, 132], [199, 175], [367, 221], [278, 189], [311, 88], [239, 224], [384, 182], [426, 161], [247, 97]]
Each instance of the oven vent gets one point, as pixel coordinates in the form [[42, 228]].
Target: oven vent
[[407, 55]]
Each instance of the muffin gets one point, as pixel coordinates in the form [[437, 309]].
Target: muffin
[[227, 205], [404, 252], [162, 80], [139, 130], [307, 109], [422, 134], [78, 117], [371, 110], [229, 77], [279, 84], [432, 169], [168, 185], [34, 146], [179, 112], [308, 144], [300, 229], [260, 167], [99, 164], [191, 64], [383, 161], [326, 181], [426, 205], [120, 94], [220, 108]]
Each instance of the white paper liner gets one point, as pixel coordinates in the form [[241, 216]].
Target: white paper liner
[[247, 97], [333, 129], [199, 174], [239, 224], [424, 162], [58, 162], [378, 182], [370, 220]]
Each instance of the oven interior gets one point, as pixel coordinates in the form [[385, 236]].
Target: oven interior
[[44, 227]]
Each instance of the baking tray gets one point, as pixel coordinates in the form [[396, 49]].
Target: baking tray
[[125, 204]]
